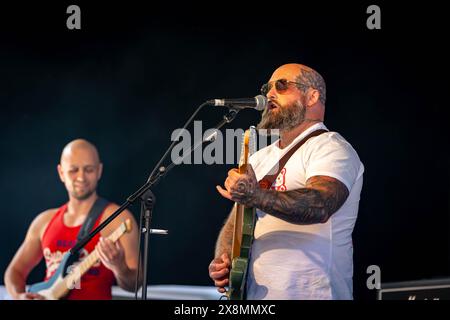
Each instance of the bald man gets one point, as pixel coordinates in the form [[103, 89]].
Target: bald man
[[54, 231], [302, 245]]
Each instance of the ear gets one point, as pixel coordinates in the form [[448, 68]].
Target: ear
[[60, 173], [100, 170], [312, 97]]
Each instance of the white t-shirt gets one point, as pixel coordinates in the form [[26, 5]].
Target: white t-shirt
[[290, 261]]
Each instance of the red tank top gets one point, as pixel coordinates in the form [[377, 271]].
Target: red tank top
[[58, 238]]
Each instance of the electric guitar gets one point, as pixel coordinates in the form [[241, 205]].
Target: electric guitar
[[244, 224], [62, 280]]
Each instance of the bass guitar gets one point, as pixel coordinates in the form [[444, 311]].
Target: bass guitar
[[64, 280]]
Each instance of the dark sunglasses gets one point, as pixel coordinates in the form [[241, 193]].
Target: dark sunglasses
[[281, 85]]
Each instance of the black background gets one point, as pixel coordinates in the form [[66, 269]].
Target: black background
[[136, 72]]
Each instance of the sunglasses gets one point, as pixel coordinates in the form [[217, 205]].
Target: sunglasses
[[281, 85]]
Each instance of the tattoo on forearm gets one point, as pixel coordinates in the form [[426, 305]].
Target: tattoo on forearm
[[322, 197], [245, 190]]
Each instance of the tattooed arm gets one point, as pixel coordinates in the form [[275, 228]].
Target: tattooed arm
[[315, 203]]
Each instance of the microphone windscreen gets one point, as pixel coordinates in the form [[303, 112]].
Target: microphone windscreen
[[261, 102]]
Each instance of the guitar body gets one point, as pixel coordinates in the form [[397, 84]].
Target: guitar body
[[244, 224], [53, 288], [68, 274], [239, 264]]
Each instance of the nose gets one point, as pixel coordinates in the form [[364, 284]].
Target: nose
[[80, 175], [272, 93]]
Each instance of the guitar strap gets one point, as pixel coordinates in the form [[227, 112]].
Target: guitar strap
[[96, 210], [267, 181]]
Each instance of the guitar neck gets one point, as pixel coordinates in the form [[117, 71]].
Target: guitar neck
[[244, 161], [238, 214], [93, 257]]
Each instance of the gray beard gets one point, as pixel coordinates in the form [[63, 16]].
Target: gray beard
[[286, 118]]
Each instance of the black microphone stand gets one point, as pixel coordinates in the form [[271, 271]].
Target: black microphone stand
[[148, 199]]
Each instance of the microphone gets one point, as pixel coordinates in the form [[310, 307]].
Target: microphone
[[259, 103]]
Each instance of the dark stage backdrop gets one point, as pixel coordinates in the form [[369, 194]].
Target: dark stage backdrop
[[134, 73]]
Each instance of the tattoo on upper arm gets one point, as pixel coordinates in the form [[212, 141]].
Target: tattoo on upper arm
[[315, 203], [333, 190]]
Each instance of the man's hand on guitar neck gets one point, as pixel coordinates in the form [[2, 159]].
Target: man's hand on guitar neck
[[111, 254], [241, 188], [219, 271]]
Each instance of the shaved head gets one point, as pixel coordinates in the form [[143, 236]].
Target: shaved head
[[80, 169], [77, 145], [305, 76]]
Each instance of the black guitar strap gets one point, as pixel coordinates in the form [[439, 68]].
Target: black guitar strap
[[96, 210]]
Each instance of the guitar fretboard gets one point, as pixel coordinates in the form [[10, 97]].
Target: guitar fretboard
[[93, 257]]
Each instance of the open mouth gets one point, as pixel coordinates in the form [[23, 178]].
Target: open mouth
[[271, 105]]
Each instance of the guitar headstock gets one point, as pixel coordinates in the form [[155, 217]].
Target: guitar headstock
[[127, 225], [252, 147], [248, 146], [124, 227]]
